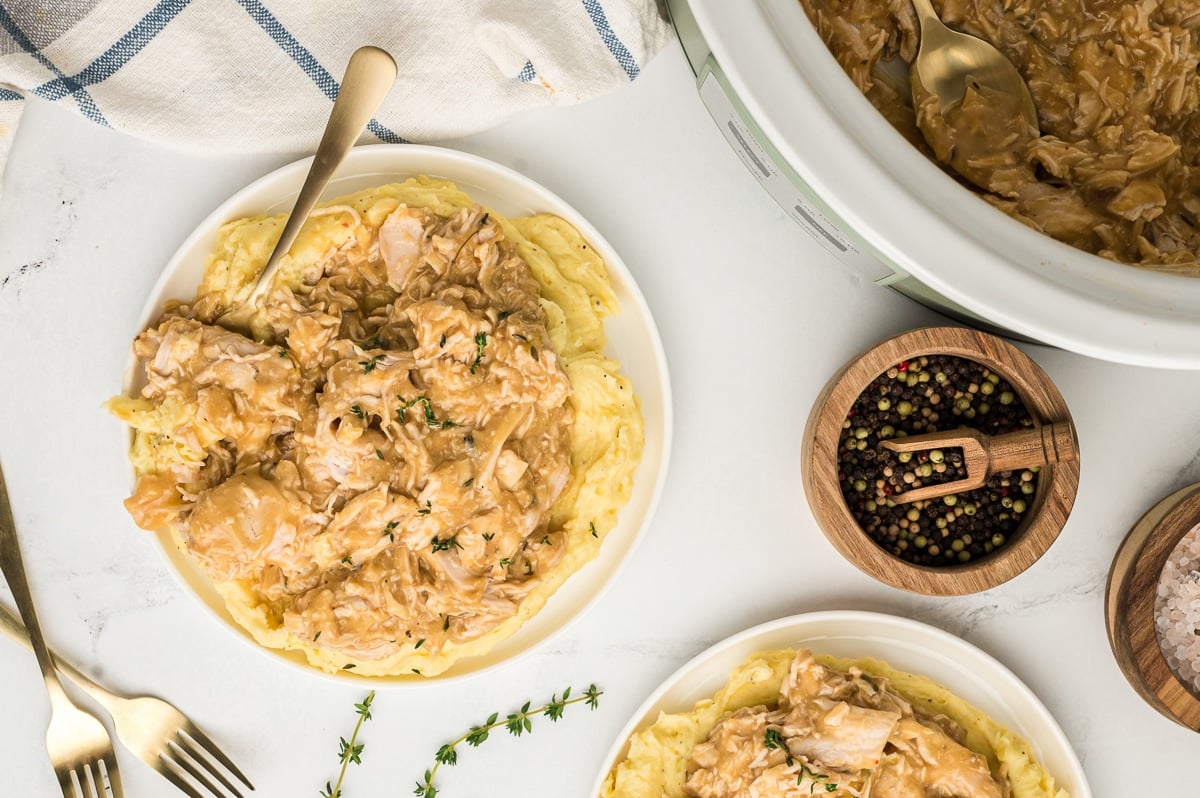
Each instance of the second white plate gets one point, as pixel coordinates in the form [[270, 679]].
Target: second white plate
[[907, 645]]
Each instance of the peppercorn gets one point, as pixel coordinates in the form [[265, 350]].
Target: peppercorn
[[912, 398]]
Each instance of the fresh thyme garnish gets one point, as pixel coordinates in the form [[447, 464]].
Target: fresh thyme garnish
[[420, 643], [774, 740], [470, 481], [390, 530], [516, 723], [506, 562], [358, 411], [426, 510], [282, 352], [369, 365], [480, 343], [817, 778], [445, 545], [430, 417], [350, 751], [347, 560], [592, 528], [374, 342], [379, 454], [317, 636], [487, 536], [533, 352], [445, 623]]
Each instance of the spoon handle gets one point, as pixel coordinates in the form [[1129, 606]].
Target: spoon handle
[[369, 76], [925, 12]]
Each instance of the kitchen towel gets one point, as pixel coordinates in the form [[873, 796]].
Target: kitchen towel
[[260, 75]]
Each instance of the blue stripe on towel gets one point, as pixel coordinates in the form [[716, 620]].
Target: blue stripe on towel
[[307, 61], [8, 95], [527, 73], [120, 53], [84, 100], [614, 45]]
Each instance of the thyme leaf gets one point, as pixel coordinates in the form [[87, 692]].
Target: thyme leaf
[[439, 544], [430, 417], [480, 343], [369, 365]]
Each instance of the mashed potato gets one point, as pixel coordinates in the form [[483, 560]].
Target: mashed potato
[[665, 756], [421, 443]]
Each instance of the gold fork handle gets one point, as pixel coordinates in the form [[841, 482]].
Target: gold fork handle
[[369, 76], [11, 625], [13, 568]]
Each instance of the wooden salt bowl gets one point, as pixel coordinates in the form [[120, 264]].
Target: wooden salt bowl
[[1057, 483], [1129, 605]]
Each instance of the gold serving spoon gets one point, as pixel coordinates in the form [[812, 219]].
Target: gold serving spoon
[[369, 76], [948, 61]]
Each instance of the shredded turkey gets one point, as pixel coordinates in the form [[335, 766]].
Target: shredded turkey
[[839, 734], [1115, 82], [382, 471]]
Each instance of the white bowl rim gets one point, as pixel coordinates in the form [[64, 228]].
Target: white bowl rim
[[862, 622], [391, 162]]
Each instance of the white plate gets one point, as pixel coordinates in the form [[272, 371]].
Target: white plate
[[905, 645], [632, 339]]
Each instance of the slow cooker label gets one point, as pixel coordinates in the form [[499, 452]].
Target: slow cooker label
[[781, 182]]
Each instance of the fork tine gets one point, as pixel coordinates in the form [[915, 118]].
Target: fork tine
[[88, 782], [196, 769], [112, 777], [198, 738], [168, 772], [68, 782]]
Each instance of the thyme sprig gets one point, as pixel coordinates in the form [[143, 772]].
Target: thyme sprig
[[515, 723], [480, 343], [350, 751], [430, 418], [773, 739]]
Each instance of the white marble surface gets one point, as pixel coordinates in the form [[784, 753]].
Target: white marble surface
[[754, 317]]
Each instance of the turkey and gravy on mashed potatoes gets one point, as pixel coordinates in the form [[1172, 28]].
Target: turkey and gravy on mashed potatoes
[[420, 443], [790, 724]]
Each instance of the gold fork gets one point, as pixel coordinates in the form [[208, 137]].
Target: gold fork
[[154, 730], [80, 749]]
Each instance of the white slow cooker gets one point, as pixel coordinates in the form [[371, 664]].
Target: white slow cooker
[[841, 171]]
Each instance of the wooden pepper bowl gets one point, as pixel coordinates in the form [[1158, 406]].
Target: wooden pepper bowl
[[1129, 605], [1057, 484]]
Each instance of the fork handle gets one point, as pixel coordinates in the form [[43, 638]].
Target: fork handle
[[13, 568], [11, 625]]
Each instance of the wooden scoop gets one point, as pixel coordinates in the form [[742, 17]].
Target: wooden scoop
[[984, 455]]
